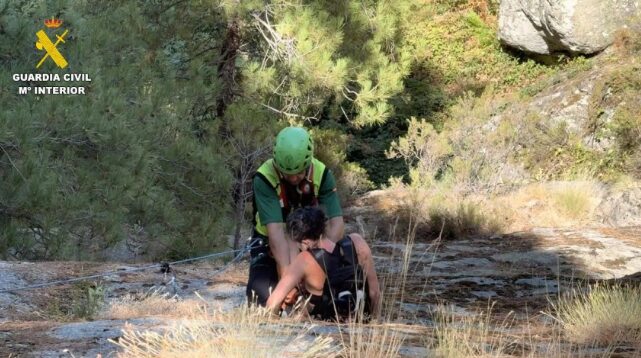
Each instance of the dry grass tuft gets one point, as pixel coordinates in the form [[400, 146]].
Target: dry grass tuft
[[370, 341], [153, 304], [550, 204], [468, 336], [467, 219], [601, 315], [626, 40], [450, 215], [244, 332], [553, 204], [576, 200]]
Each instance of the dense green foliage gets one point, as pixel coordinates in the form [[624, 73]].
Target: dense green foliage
[[80, 173], [184, 100], [186, 97], [324, 59]]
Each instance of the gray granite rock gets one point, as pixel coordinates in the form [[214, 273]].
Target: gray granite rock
[[575, 26]]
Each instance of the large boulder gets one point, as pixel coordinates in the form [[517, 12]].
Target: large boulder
[[574, 26]]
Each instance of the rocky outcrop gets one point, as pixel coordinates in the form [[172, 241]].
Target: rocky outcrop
[[621, 208], [575, 26]]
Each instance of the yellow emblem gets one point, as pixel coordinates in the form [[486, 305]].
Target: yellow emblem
[[44, 43]]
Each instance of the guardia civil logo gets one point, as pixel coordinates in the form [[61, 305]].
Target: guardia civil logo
[[60, 80], [50, 48]]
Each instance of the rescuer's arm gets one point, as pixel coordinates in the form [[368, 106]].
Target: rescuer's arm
[[270, 214], [283, 250], [328, 198], [335, 228], [288, 281]]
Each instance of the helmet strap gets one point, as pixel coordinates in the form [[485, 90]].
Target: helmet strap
[[310, 172]]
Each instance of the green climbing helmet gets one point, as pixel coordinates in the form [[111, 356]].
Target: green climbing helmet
[[293, 151]]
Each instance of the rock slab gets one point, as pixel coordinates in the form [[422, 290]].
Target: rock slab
[[547, 27]]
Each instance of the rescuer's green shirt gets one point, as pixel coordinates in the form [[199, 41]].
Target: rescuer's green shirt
[[268, 203]]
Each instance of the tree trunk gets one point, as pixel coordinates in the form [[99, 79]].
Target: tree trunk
[[239, 215], [227, 67]]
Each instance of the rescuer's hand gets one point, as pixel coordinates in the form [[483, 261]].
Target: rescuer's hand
[[291, 297]]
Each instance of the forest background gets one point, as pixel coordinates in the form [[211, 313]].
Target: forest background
[[187, 96]]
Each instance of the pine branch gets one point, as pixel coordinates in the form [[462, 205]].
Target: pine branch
[[170, 6], [281, 47], [288, 114], [13, 164]]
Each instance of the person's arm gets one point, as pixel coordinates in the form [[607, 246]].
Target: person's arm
[[270, 213], [283, 250], [366, 261], [328, 198], [294, 274], [335, 228]]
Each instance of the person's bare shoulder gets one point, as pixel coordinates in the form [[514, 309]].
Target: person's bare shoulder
[[362, 249], [304, 259]]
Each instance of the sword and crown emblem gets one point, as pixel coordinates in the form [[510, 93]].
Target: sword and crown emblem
[[53, 23], [45, 43]]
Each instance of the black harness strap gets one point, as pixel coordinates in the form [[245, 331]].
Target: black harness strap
[[343, 274], [344, 249]]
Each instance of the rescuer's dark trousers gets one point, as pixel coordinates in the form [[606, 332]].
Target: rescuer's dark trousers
[[263, 272]]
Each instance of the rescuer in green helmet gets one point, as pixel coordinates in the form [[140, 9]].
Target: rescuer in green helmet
[[292, 179]]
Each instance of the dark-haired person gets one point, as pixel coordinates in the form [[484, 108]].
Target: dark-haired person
[[292, 179], [306, 227]]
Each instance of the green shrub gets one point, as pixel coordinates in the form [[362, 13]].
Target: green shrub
[[573, 201], [82, 300], [88, 300], [77, 171], [330, 146], [461, 48], [614, 117]]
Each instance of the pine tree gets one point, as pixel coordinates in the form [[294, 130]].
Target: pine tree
[[184, 101], [317, 60], [80, 172]]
